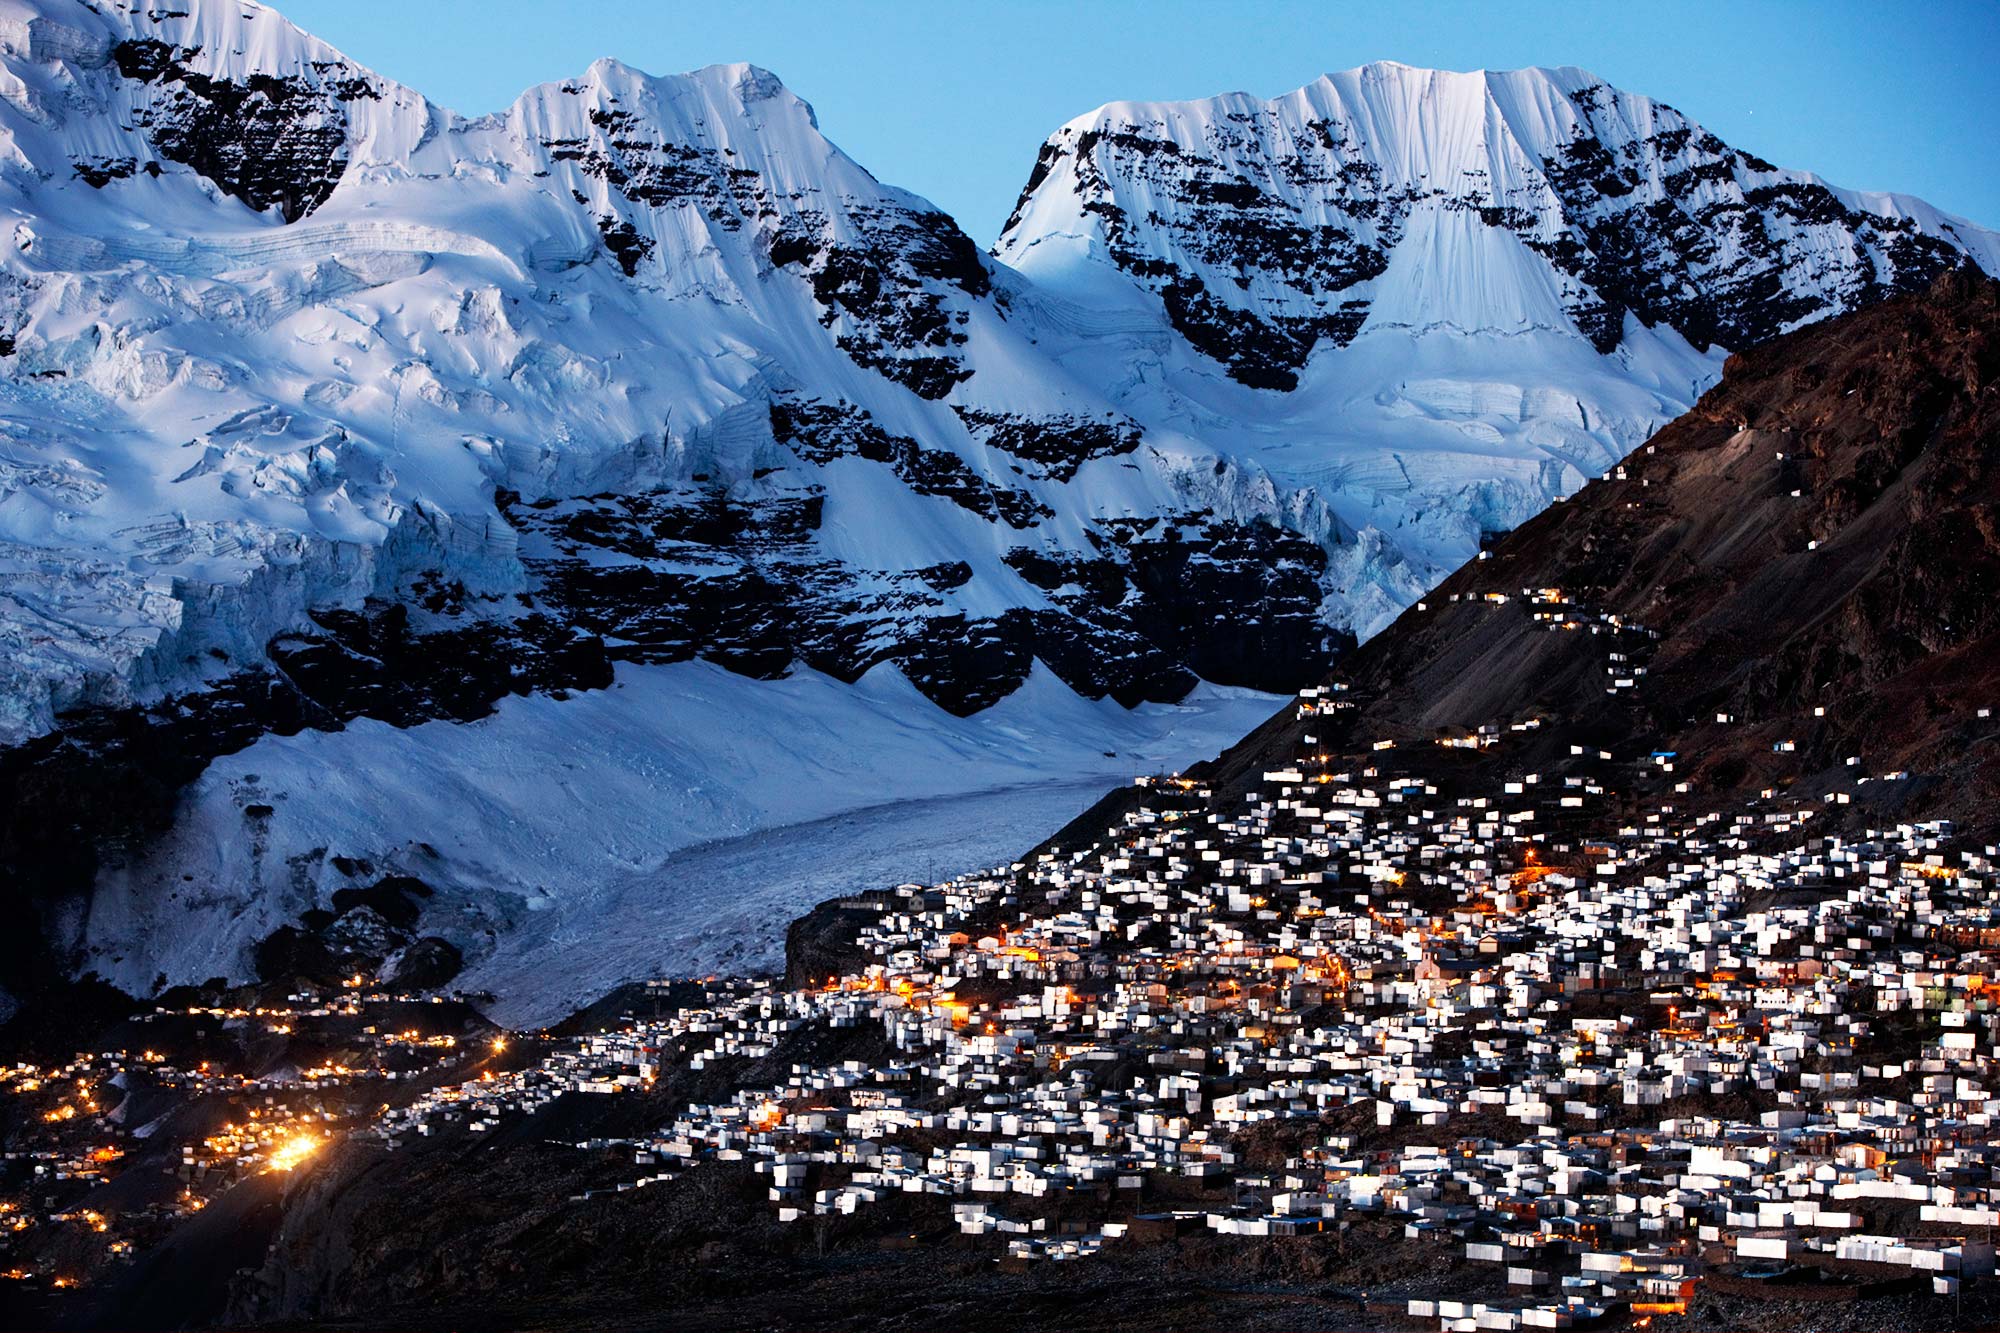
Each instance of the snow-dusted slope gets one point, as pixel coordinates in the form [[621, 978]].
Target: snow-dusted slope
[[320, 403], [673, 823]]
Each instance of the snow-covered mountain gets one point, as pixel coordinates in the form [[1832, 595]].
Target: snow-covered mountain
[[648, 355], [319, 402], [1425, 304], [1395, 201]]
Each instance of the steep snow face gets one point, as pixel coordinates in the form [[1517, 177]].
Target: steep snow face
[[648, 355]]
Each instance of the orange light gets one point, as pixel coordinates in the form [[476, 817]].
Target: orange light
[[293, 1151]]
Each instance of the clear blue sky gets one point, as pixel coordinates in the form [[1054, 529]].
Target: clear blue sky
[[950, 98]]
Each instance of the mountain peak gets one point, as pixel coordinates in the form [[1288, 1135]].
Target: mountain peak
[[699, 105], [748, 84], [1391, 198], [1567, 75]]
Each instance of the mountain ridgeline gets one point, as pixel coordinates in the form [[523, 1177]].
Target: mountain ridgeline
[[653, 357], [1393, 197]]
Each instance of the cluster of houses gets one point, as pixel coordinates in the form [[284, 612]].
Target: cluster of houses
[[1601, 1058], [1580, 1053], [181, 1106]]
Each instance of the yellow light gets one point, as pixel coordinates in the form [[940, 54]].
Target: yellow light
[[293, 1151]]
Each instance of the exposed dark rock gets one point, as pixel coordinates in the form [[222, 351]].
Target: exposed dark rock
[[889, 297], [99, 172], [823, 942], [428, 963], [369, 932], [822, 432], [648, 170], [1057, 446], [376, 663], [625, 243], [293, 951], [270, 141], [395, 899], [691, 573]]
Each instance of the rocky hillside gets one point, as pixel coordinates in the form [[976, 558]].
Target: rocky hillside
[[1795, 586]]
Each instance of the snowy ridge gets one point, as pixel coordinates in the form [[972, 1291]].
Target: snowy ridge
[[281, 397], [1460, 294], [1387, 198], [379, 329]]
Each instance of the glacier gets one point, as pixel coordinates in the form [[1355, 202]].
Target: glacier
[[672, 824]]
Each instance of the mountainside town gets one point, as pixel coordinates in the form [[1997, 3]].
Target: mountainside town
[[1608, 1062], [1375, 715], [1604, 1064]]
